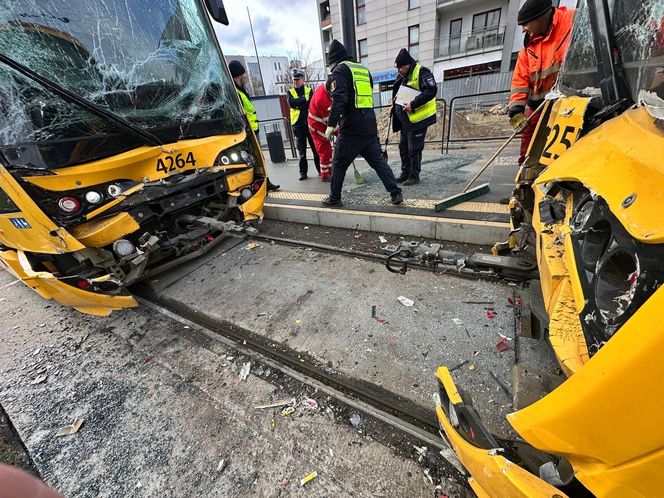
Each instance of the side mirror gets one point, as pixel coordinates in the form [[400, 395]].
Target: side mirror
[[217, 11]]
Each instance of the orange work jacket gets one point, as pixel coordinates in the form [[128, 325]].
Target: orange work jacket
[[540, 60]]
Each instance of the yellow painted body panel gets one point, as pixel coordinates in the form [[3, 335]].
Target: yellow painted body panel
[[137, 164], [238, 180], [492, 474], [253, 208], [43, 236], [561, 290], [607, 418], [49, 287], [565, 123], [106, 231], [616, 160]]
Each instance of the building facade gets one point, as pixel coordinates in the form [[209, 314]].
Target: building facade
[[274, 70], [454, 38]]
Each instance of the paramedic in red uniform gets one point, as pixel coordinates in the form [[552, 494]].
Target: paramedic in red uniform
[[319, 110], [548, 31]]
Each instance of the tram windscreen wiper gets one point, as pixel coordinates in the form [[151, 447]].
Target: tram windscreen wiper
[[142, 135]]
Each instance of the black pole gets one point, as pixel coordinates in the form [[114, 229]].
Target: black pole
[[258, 60]]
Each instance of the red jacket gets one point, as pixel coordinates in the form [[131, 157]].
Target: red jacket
[[540, 59], [319, 107]]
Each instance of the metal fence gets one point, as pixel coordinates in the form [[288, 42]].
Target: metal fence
[[478, 117], [475, 84]]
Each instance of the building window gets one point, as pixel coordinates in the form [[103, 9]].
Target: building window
[[413, 4], [455, 36], [486, 21], [359, 11], [363, 52], [414, 41]]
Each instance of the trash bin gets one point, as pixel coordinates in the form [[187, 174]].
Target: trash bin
[[276, 147]]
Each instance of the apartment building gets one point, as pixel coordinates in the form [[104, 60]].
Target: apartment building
[[455, 38], [274, 70]]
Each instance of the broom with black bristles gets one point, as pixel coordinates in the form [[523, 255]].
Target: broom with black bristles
[[466, 194]]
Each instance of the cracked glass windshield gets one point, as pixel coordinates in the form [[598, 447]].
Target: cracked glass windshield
[[154, 63], [638, 28]]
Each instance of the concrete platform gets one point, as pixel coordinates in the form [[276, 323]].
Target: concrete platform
[[480, 221]]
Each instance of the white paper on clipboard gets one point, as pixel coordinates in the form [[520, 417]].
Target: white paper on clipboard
[[405, 94]]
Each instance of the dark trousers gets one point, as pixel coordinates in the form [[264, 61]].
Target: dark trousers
[[347, 148], [302, 136], [411, 146]]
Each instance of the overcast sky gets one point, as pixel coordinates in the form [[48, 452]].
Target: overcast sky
[[276, 26]]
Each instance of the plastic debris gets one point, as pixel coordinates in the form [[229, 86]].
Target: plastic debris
[[306, 228], [252, 245], [276, 404], [428, 476], [490, 314], [273, 423], [289, 410], [310, 405], [405, 301], [502, 345], [71, 428], [244, 372], [382, 321], [373, 311], [471, 367], [39, 379], [457, 321], [330, 413], [222, 465], [356, 420], [308, 478], [298, 322], [382, 239]]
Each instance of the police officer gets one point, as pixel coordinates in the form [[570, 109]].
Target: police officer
[[240, 78], [299, 97], [415, 117], [352, 109]]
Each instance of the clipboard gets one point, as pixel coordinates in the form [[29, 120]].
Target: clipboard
[[405, 94]]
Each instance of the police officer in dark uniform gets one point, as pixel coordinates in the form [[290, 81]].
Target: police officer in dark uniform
[[415, 117], [299, 97], [240, 78], [352, 109]]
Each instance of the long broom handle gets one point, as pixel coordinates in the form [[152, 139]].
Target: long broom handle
[[389, 127], [502, 147]]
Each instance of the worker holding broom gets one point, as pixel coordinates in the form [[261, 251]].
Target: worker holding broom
[[352, 109], [548, 31]]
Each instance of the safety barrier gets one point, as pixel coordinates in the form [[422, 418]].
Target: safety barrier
[[282, 125], [479, 103], [441, 117]]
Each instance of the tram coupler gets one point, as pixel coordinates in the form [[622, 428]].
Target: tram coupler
[[479, 264], [229, 227]]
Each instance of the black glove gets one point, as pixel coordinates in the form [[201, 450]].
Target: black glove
[[517, 109]]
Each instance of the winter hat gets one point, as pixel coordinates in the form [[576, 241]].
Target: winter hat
[[533, 9], [237, 69], [336, 53], [403, 58]]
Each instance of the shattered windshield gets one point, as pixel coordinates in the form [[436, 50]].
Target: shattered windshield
[[638, 29], [154, 63]]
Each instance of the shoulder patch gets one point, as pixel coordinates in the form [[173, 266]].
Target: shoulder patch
[[430, 81], [333, 86]]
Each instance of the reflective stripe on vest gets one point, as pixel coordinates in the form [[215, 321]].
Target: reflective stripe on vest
[[295, 113], [362, 84], [424, 111], [249, 110]]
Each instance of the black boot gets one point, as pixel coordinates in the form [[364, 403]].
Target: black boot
[[402, 178], [413, 180], [271, 186]]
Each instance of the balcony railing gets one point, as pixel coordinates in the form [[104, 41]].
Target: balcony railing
[[470, 42]]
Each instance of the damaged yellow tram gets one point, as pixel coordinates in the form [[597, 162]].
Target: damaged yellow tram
[[124, 149], [587, 205]]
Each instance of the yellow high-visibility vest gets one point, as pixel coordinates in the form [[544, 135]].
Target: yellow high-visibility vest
[[362, 84], [295, 113], [426, 110], [249, 110]]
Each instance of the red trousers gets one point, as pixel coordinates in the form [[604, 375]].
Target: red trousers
[[324, 149], [527, 133]]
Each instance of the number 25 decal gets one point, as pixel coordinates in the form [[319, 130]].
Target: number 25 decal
[[169, 164], [554, 140]]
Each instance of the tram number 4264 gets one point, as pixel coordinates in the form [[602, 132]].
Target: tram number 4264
[[168, 164], [559, 142]]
